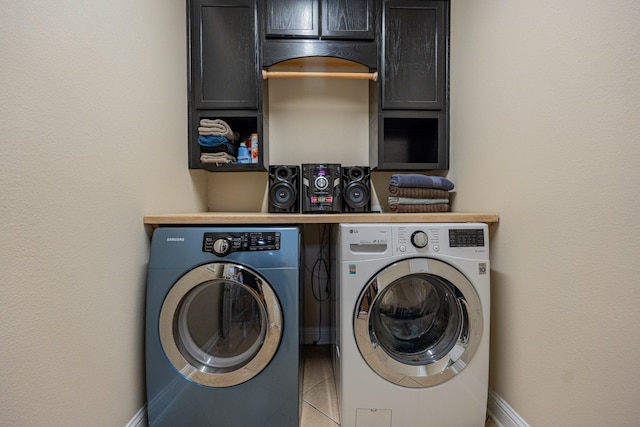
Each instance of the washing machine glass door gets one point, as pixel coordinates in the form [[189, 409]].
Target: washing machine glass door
[[418, 322], [220, 324]]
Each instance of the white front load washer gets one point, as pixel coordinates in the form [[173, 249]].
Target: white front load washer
[[412, 344]]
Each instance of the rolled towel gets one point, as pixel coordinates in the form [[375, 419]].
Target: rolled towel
[[420, 181], [414, 201], [424, 193], [440, 207]]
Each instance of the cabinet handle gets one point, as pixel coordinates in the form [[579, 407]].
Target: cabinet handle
[[288, 74]]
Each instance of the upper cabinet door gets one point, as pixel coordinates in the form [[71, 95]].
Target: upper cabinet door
[[348, 19], [332, 19], [292, 18], [413, 54], [225, 51]]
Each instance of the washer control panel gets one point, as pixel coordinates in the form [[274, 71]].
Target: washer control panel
[[414, 238], [222, 244], [425, 238]]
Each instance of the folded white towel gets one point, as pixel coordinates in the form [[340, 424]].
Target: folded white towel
[[216, 127]]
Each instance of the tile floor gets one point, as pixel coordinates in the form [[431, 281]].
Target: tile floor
[[319, 403]]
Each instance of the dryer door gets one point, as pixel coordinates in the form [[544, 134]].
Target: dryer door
[[220, 324], [418, 322]]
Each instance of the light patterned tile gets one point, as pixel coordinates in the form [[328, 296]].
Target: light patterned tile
[[323, 398], [317, 366], [311, 417]]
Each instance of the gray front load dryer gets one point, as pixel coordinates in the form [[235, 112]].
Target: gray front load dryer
[[223, 337]]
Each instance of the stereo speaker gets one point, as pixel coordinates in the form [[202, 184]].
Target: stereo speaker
[[284, 187], [356, 189]]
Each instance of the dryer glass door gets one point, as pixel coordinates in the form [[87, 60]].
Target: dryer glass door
[[220, 324], [418, 322]]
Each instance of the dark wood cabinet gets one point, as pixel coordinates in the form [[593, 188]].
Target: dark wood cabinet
[[348, 19], [292, 18], [225, 80], [339, 19], [413, 46], [338, 28], [407, 41], [412, 129], [224, 48]]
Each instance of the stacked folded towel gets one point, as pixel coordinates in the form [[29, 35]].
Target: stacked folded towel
[[217, 158], [419, 193], [215, 136]]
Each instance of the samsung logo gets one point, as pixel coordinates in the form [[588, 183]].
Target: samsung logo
[[175, 239]]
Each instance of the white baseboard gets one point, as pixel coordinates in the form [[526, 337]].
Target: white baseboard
[[317, 336], [502, 414], [139, 419]]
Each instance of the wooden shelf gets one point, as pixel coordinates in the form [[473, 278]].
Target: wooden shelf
[[224, 218]]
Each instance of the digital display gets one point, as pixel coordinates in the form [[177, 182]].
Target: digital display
[[464, 238], [321, 199], [264, 241]]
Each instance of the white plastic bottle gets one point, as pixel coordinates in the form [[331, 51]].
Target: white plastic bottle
[[243, 153], [254, 148]]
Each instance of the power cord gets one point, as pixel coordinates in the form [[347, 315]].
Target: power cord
[[321, 264]]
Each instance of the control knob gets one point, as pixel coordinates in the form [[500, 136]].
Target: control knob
[[221, 247], [321, 182], [419, 239]]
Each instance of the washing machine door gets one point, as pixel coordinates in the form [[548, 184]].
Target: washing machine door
[[418, 322], [220, 324]]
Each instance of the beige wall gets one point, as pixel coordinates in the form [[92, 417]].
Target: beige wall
[[92, 137], [545, 131], [311, 120]]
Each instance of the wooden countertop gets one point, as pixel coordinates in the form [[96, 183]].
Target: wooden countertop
[[218, 218]]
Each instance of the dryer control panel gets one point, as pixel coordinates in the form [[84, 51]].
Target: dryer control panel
[[222, 244]]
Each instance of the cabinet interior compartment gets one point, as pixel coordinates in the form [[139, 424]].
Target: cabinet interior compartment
[[244, 125], [410, 140]]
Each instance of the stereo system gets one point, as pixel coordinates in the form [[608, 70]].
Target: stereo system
[[319, 188]]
